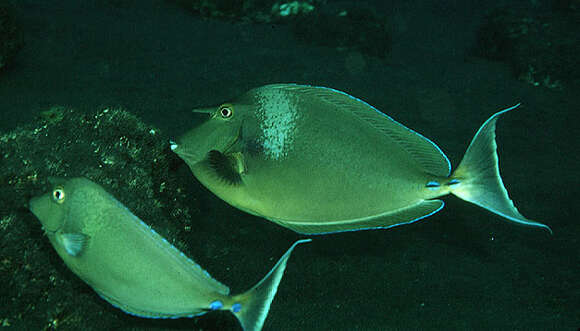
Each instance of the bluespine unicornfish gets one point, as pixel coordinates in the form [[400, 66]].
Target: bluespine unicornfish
[[131, 266], [317, 160]]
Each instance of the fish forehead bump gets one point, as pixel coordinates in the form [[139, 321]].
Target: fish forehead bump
[[277, 113]]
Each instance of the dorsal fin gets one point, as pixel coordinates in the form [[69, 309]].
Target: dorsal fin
[[422, 150]]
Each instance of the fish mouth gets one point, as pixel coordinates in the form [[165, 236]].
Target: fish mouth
[[177, 149]]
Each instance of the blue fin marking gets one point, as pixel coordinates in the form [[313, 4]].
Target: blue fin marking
[[216, 305]]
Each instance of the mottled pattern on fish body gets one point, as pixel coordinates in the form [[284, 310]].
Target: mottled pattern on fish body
[[313, 167], [314, 156]]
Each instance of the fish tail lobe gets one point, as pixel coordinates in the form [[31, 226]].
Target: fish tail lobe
[[251, 307], [477, 178]]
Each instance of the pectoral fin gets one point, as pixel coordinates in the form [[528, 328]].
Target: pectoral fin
[[227, 167], [74, 243]]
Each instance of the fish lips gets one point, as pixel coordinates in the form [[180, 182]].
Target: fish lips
[[186, 154]]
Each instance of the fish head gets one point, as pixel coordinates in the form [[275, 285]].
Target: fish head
[[50, 208], [218, 132]]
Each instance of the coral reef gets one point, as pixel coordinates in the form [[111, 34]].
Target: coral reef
[[343, 26], [346, 27], [114, 148]]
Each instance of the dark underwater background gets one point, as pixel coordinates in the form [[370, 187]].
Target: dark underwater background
[[439, 67]]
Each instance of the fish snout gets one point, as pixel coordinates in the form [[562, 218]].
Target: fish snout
[[173, 145]]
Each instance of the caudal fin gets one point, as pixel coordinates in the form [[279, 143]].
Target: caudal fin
[[251, 307], [478, 179]]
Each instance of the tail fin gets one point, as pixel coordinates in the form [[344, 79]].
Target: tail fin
[[478, 179], [251, 307]]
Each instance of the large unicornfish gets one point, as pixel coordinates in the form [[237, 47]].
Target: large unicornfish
[[134, 268], [317, 160]]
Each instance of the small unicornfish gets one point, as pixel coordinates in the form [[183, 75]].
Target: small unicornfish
[[134, 268], [317, 160]]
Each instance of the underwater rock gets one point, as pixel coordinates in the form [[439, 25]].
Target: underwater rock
[[567, 5], [344, 26], [215, 8], [10, 41], [247, 10], [541, 46], [117, 150]]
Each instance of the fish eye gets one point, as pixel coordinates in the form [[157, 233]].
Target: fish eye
[[58, 194], [226, 111]]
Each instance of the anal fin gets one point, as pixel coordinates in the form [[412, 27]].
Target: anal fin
[[402, 216]]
